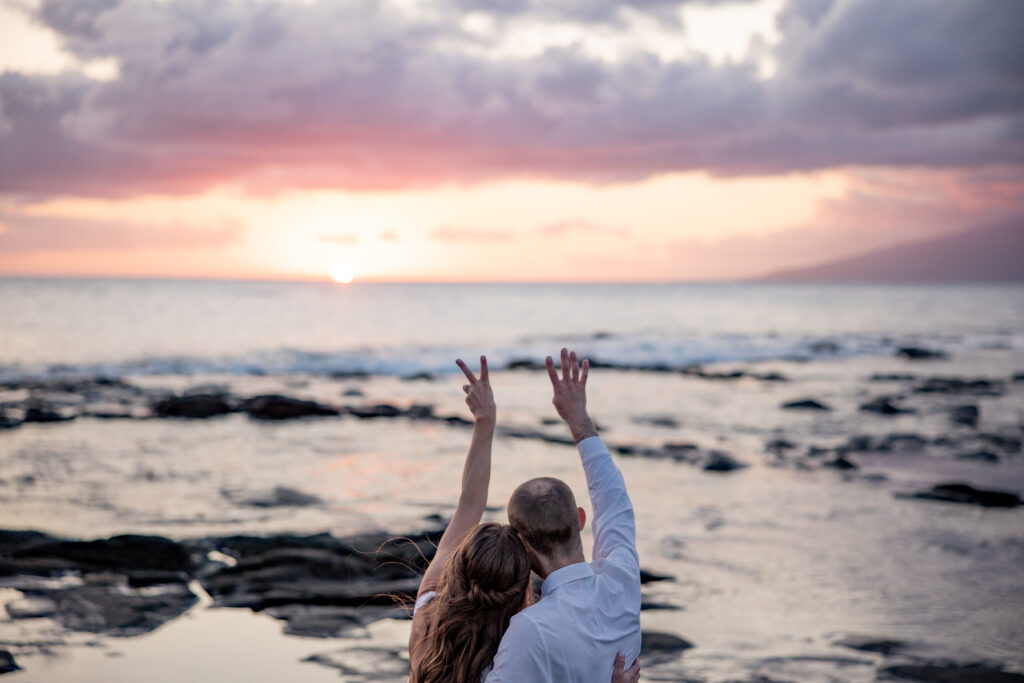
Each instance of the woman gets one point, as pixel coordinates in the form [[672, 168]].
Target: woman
[[480, 575]]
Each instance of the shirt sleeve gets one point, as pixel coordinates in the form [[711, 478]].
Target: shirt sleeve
[[521, 656], [614, 522]]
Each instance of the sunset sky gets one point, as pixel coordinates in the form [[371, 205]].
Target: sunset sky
[[540, 140]]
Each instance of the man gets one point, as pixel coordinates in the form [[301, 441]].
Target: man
[[587, 612]]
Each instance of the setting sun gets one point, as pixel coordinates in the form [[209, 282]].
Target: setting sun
[[343, 272]]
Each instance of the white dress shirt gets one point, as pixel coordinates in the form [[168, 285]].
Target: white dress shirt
[[587, 613]]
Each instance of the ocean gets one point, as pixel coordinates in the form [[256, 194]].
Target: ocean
[[780, 443]]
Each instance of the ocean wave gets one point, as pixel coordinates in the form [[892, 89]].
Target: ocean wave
[[632, 351]]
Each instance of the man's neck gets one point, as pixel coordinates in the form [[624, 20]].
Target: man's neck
[[547, 566]]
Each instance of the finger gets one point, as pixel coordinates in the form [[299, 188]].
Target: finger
[[551, 370], [620, 663], [574, 369], [466, 371], [585, 371], [565, 365], [484, 375], [466, 388]]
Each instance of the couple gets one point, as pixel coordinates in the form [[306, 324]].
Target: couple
[[476, 618]]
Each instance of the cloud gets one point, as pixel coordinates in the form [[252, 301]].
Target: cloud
[[455, 234], [562, 228], [343, 238], [24, 234], [367, 95]]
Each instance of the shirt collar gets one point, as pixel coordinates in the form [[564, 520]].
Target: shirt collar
[[567, 574]]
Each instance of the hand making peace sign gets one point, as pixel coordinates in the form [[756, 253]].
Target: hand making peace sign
[[479, 396]]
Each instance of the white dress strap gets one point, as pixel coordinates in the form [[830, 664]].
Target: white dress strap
[[422, 600]]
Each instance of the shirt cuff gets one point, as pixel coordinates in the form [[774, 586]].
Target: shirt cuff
[[592, 447]]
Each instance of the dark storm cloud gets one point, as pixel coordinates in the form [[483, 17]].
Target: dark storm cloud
[[361, 95]]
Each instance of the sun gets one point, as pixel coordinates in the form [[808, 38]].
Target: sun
[[343, 272]]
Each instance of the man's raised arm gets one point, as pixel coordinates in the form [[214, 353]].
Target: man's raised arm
[[614, 524]]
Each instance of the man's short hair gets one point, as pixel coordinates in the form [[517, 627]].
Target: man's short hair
[[544, 511]]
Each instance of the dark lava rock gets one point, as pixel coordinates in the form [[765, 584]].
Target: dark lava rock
[[349, 374], [1008, 444], [276, 407], [883, 405], [805, 404], [47, 556], [528, 433], [770, 377], [371, 412], [420, 411], [282, 496], [964, 493], [353, 392], [825, 346], [660, 648], [949, 672], [779, 446], [964, 415], [840, 463], [9, 421], [1018, 377], [892, 377], [524, 364], [319, 570], [647, 576], [882, 646], [112, 609], [418, 377], [657, 421], [7, 663], [328, 621], [197, 406], [919, 353], [979, 456], [41, 411], [720, 461], [956, 385]]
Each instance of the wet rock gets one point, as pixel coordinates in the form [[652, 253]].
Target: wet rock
[[7, 663], [978, 456], [920, 353], [280, 496], [418, 377], [319, 570], [770, 377], [646, 606], [47, 556], [647, 576], [884, 646], [779, 447], [528, 433], [1018, 377], [31, 607], [666, 421], [353, 392], [907, 442], [524, 364], [195, 406], [420, 411], [42, 411], [825, 346], [840, 463], [964, 415], [956, 385], [113, 609], [805, 404], [967, 494], [276, 407], [720, 461], [349, 374], [381, 410], [327, 621], [883, 405], [660, 648], [8, 421], [949, 672], [1005, 443], [892, 377]]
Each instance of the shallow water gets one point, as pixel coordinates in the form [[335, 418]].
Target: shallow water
[[773, 564]]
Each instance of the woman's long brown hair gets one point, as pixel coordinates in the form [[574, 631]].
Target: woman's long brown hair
[[486, 581]]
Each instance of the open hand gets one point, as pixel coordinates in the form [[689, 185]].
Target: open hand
[[479, 396], [570, 394], [630, 675]]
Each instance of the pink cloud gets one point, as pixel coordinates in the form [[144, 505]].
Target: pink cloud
[[456, 234]]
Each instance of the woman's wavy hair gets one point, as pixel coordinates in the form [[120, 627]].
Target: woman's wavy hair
[[486, 581]]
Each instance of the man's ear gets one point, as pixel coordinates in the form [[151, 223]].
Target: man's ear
[[583, 518]]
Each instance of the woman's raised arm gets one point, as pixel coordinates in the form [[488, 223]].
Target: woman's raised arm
[[476, 473]]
